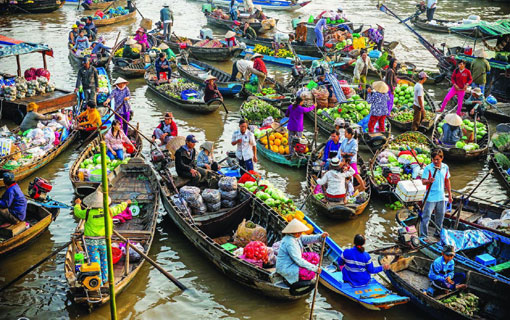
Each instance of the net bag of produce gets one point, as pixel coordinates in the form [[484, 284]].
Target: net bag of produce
[[200, 209], [180, 203], [228, 183], [228, 203], [313, 258], [189, 193], [256, 250], [228, 195], [248, 231], [211, 196], [213, 207]]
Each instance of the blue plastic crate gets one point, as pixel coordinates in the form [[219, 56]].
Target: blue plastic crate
[[230, 172], [486, 259]]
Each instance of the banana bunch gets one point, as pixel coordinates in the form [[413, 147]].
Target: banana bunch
[[284, 53], [262, 49]]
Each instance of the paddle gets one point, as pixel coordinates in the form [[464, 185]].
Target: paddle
[[113, 53], [35, 266], [461, 204], [220, 100], [420, 212], [157, 266], [323, 244]]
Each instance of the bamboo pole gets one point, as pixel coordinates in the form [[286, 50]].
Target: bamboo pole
[[108, 233]]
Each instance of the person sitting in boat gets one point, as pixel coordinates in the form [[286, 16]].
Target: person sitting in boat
[[259, 69], [290, 253], [13, 204], [363, 64], [243, 67], [211, 90], [128, 52], [233, 10], [248, 31], [340, 126], [117, 142], [166, 130], [162, 65], [378, 98], [340, 14], [185, 162], [141, 39], [331, 148], [91, 29], [349, 148], [301, 32], [32, 117], [82, 42], [258, 14], [476, 103], [121, 96], [442, 276], [334, 178], [94, 229], [90, 119], [452, 131], [205, 157], [230, 39], [73, 34], [99, 48], [358, 264]]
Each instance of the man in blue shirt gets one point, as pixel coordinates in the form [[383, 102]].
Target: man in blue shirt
[[91, 29], [331, 148], [358, 264], [163, 65], [436, 198], [441, 273], [167, 19], [13, 204]]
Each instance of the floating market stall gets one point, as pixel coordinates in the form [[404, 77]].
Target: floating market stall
[[29, 6], [212, 50], [499, 147], [101, 5], [32, 86], [284, 57], [112, 16], [134, 67], [280, 5], [218, 18], [442, 26]]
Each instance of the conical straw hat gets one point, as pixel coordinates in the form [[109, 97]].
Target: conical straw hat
[[295, 226]]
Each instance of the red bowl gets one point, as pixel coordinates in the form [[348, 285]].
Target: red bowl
[[116, 254]]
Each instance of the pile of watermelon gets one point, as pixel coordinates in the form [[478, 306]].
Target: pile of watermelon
[[355, 110]]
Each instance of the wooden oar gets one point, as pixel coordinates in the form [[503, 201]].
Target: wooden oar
[[113, 53], [461, 204], [220, 101], [323, 244], [157, 266]]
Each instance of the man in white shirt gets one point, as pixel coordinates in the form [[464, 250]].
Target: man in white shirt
[[243, 67], [431, 8], [246, 151]]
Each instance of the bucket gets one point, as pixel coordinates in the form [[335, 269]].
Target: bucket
[[468, 51], [116, 254]]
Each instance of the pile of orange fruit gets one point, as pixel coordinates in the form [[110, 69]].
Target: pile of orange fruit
[[301, 217], [276, 142]]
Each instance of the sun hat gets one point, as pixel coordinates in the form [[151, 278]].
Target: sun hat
[[258, 7], [210, 77], [230, 34], [163, 46], [380, 25], [477, 91], [453, 119], [142, 30], [74, 26], [119, 81], [295, 226], [448, 250], [256, 55], [380, 87], [95, 199], [334, 163], [422, 75], [191, 138], [207, 146], [339, 122], [130, 41], [339, 9], [169, 115], [480, 53]]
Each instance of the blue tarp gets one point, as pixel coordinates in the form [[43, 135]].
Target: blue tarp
[[467, 239], [11, 47]]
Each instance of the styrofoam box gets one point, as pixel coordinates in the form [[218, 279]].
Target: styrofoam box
[[410, 190]]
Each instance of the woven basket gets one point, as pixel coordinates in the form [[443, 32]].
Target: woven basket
[[174, 144]]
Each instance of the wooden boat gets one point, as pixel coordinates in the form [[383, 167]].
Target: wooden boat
[[83, 188], [281, 100], [194, 105], [498, 247], [22, 172], [335, 210], [17, 236], [102, 62], [409, 276], [452, 152], [196, 71], [306, 49], [500, 112], [227, 24], [472, 211], [126, 185], [297, 162], [210, 231], [132, 68], [25, 6], [280, 5], [441, 26], [203, 53], [103, 5], [284, 62], [113, 20], [386, 189]]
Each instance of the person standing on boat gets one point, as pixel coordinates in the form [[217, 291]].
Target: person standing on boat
[[461, 78], [331, 149], [436, 200], [13, 204], [301, 32], [90, 119], [480, 67], [88, 81], [73, 34], [233, 10], [167, 19], [259, 14], [391, 80], [32, 117], [319, 29], [340, 14], [246, 151], [211, 91], [162, 65], [185, 162], [121, 95], [419, 101], [94, 229], [295, 114], [243, 67], [118, 142], [363, 64], [442, 276], [431, 9], [378, 98], [166, 130], [349, 149], [290, 253], [358, 265], [259, 69]]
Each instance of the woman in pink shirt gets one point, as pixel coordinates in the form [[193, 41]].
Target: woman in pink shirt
[[116, 141], [461, 78], [141, 38]]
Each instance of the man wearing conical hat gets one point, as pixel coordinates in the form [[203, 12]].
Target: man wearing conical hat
[[94, 229]]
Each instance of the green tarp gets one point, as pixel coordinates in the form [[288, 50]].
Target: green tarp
[[492, 62], [490, 29]]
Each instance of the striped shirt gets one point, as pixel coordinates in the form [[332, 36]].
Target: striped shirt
[[357, 267]]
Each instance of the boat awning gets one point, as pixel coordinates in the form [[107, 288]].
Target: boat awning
[[12, 47], [488, 29]]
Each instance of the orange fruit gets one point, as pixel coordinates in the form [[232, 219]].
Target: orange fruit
[[285, 141], [263, 140], [272, 137], [278, 135], [299, 214], [274, 149], [287, 150], [306, 151], [281, 150], [277, 142]]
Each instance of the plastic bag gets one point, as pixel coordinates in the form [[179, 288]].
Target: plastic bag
[[228, 195], [228, 183], [228, 203], [180, 203], [197, 203], [248, 231], [200, 209], [213, 207], [212, 196], [189, 193]]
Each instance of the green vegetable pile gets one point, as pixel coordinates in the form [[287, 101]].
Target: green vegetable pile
[[174, 88], [355, 110], [94, 162], [466, 303], [481, 131], [258, 110], [397, 205], [406, 115], [501, 141], [502, 160], [271, 196]]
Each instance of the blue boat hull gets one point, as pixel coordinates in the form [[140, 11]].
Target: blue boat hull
[[284, 62]]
